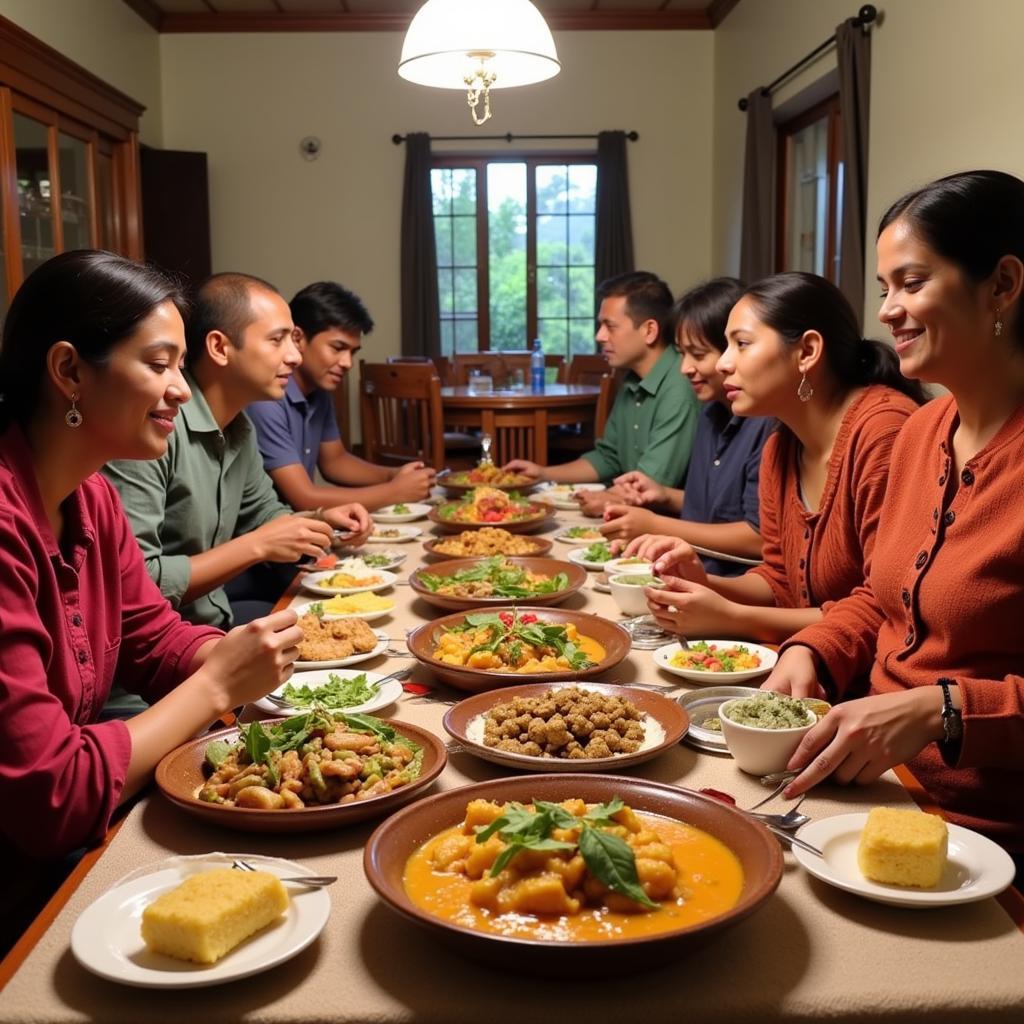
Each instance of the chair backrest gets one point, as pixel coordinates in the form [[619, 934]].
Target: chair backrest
[[440, 363], [400, 409], [586, 369], [519, 359], [489, 362], [604, 403]]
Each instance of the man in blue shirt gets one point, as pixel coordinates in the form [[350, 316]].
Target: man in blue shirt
[[298, 434]]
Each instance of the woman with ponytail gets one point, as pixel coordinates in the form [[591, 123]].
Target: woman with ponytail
[[795, 352], [937, 627]]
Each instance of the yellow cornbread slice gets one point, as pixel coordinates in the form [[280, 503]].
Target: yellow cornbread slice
[[211, 913], [903, 847]]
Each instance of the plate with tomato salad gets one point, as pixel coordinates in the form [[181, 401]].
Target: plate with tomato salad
[[716, 661]]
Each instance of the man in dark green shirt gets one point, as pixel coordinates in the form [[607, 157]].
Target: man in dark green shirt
[[654, 418]]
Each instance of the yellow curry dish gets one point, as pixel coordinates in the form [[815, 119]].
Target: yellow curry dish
[[572, 871], [516, 642]]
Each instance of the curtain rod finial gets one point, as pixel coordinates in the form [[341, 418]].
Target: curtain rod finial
[[743, 104], [397, 139], [632, 136], [867, 14]]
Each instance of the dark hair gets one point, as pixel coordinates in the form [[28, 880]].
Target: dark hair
[[704, 310], [92, 299], [647, 297], [797, 302], [323, 305], [972, 219], [222, 304]]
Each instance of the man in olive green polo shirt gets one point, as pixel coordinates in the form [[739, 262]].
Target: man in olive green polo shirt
[[654, 418]]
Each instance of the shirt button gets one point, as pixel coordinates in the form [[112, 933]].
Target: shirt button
[[942, 479], [807, 534], [718, 462], [935, 513], [636, 426], [905, 597], [307, 451], [922, 557], [76, 619], [967, 477], [949, 517], [802, 562], [83, 657]]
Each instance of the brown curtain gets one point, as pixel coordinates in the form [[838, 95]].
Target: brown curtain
[[613, 241], [757, 247], [421, 324], [853, 54]]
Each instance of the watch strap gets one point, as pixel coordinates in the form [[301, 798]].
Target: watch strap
[[952, 721]]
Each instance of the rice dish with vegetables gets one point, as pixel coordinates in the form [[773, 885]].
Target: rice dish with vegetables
[[705, 657], [491, 540]]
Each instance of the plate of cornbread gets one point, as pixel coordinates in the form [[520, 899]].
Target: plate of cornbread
[[191, 922], [905, 857]]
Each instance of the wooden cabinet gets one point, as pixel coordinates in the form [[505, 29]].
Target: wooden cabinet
[[69, 160]]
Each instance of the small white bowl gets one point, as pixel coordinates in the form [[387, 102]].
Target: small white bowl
[[630, 597], [761, 751], [615, 565]]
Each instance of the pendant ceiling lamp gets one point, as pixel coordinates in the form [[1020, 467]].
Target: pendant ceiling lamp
[[478, 45]]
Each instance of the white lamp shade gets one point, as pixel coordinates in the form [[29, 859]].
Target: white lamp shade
[[443, 35]]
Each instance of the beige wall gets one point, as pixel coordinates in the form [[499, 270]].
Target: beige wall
[[247, 100], [945, 95], [107, 38]]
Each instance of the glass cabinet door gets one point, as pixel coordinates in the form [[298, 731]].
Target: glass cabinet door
[[75, 192], [35, 199]]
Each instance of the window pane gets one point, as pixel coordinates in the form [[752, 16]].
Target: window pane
[[551, 241], [445, 291], [581, 239], [581, 292], [808, 198], [552, 292], [454, 205], [581, 337], [441, 190], [506, 229], [447, 337], [465, 291], [554, 336], [443, 240], [583, 188], [552, 188], [75, 205], [464, 241], [464, 190], [466, 335]]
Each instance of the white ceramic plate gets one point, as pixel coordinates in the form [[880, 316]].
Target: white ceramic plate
[[389, 515], [576, 555], [663, 655], [401, 534], [722, 556], [561, 495], [353, 659], [386, 694], [976, 869], [701, 705], [601, 584], [565, 539], [316, 583], [106, 938], [301, 609], [394, 558]]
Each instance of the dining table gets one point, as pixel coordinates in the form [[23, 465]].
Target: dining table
[[811, 952], [518, 418]]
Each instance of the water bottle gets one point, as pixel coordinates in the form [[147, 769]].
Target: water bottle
[[537, 367]]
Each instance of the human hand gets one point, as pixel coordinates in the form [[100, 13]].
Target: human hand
[[525, 467], [411, 483], [253, 659], [592, 503], [353, 519], [796, 674], [681, 560], [691, 609], [859, 740], [289, 538], [624, 523], [640, 489]]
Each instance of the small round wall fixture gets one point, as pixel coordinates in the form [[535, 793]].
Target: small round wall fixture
[[478, 45], [310, 147]]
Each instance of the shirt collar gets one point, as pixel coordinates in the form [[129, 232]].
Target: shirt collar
[[294, 393], [668, 362], [198, 419], [722, 419]]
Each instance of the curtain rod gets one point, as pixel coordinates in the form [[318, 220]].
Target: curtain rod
[[507, 137], [867, 14]]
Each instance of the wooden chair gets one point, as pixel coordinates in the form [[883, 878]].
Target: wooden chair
[[584, 369], [440, 364], [400, 409], [519, 359], [489, 362], [567, 443]]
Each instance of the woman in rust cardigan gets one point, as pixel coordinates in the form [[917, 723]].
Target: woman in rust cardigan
[[795, 352], [943, 600]]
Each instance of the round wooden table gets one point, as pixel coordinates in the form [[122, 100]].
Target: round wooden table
[[518, 418]]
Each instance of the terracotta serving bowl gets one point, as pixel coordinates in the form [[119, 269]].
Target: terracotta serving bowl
[[541, 547], [180, 775], [672, 718], [541, 566], [403, 833], [457, 490], [612, 637], [540, 513]]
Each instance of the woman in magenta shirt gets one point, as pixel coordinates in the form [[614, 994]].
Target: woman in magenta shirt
[[90, 370]]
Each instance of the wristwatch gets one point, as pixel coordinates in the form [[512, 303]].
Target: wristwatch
[[952, 722]]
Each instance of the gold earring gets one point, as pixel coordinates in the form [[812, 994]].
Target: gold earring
[[804, 390], [73, 418], [999, 323]]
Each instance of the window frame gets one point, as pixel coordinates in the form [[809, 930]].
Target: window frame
[[827, 108], [478, 163]]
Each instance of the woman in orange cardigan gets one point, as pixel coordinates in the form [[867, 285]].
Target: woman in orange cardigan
[[944, 595], [795, 352]]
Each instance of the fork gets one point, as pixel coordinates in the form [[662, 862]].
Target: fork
[[776, 791], [314, 881]]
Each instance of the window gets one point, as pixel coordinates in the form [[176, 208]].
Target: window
[[515, 253], [810, 184]]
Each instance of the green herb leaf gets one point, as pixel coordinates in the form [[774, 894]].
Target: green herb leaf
[[602, 814], [216, 752], [257, 742], [559, 816], [611, 860]]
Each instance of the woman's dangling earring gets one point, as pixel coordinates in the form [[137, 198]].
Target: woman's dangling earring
[[73, 418], [999, 323], [804, 391]]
